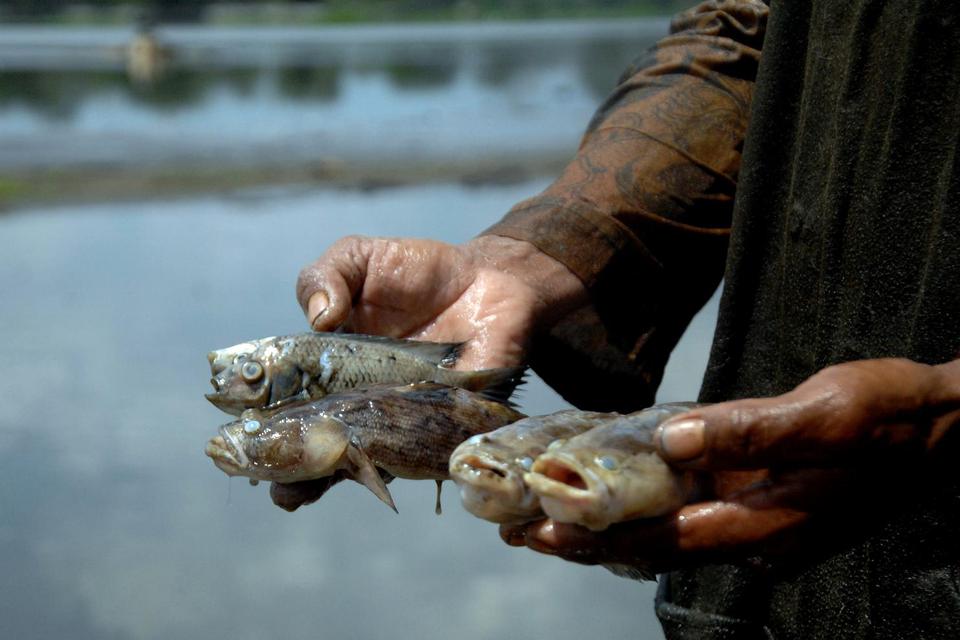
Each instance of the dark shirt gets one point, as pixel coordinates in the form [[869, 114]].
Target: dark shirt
[[822, 184]]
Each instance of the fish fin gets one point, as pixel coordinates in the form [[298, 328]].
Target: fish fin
[[450, 357], [630, 572], [437, 509], [498, 384], [365, 472]]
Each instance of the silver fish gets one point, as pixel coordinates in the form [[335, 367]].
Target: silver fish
[[407, 431], [489, 468], [269, 371], [612, 473]]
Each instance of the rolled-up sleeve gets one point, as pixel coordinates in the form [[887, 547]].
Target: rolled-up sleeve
[[642, 213]]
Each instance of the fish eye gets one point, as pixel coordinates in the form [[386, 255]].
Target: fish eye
[[526, 462], [251, 371], [607, 463], [251, 427]]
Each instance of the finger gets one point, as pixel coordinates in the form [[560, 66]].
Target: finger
[[804, 489], [291, 496], [704, 532], [849, 412], [514, 535], [326, 288], [813, 424]]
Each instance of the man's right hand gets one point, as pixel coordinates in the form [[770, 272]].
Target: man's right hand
[[491, 292]]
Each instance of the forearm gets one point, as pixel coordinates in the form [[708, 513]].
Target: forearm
[[642, 213], [661, 155]]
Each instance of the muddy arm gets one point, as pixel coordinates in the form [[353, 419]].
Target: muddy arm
[[642, 214]]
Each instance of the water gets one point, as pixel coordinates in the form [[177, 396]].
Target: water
[[291, 95], [113, 524]]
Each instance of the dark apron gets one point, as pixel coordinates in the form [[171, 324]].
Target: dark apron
[[845, 245]]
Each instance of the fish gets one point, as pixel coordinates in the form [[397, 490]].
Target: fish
[[308, 366], [489, 468], [612, 473], [406, 431]]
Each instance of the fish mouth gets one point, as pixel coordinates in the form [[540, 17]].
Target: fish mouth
[[224, 402], [227, 454], [492, 490], [562, 472], [479, 467], [568, 491]]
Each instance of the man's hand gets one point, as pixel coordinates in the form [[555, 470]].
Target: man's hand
[[791, 473], [491, 292]]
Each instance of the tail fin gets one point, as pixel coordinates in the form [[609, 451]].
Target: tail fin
[[495, 384]]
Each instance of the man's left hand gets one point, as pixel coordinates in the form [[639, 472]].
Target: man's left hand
[[789, 473]]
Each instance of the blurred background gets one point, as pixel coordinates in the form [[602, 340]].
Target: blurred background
[[166, 168]]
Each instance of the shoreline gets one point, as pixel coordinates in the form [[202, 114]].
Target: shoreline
[[83, 184]]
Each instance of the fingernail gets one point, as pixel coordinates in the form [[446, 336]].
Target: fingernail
[[316, 306], [683, 440]]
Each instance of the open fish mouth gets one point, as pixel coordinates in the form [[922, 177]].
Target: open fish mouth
[[557, 474], [563, 477], [227, 453], [570, 492], [493, 490], [475, 467]]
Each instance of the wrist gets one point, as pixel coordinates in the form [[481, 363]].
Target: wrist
[[556, 288]]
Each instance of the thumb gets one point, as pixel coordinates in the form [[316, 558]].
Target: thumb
[[745, 434], [326, 288]]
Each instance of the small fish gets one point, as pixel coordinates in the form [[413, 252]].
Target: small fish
[[489, 467], [612, 473], [268, 371], [407, 431]]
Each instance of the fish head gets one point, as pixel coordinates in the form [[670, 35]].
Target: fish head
[[280, 447], [490, 478], [581, 485], [253, 374]]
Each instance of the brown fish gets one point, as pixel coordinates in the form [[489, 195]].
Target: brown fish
[[265, 372], [407, 431], [489, 468], [612, 473]]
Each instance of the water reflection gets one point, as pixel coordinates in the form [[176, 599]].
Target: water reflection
[[309, 83], [115, 524]]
